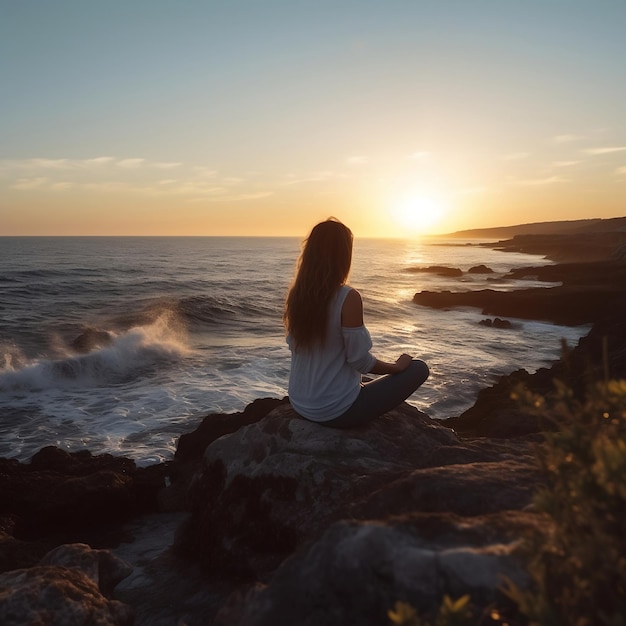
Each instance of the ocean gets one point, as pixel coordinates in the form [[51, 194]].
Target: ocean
[[120, 344]]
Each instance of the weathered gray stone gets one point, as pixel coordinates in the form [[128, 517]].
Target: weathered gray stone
[[264, 489], [356, 572]]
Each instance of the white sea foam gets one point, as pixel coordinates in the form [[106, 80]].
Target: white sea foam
[[186, 327], [130, 354]]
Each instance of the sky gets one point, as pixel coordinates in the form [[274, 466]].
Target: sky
[[263, 117]]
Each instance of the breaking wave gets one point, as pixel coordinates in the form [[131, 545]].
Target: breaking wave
[[128, 355]]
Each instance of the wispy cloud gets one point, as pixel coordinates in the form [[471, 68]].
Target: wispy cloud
[[138, 176], [472, 190], [166, 166], [532, 182], [419, 156], [205, 172], [314, 177], [103, 160], [357, 160], [606, 150], [565, 163], [95, 163], [621, 170], [567, 138], [516, 156], [130, 163], [234, 197], [25, 184], [61, 186]]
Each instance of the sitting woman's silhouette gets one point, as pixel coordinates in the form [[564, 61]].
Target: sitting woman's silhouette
[[330, 346]]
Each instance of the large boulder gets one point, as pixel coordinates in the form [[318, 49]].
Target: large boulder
[[71, 585], [62, 493], [265, 488], [356, 571]]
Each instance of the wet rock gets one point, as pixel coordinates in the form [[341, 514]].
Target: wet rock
[[439, 270], [496, 323], [480, 269], [566, 305], [497, 413]]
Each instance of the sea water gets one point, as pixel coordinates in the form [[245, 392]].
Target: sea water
[[120, 344]]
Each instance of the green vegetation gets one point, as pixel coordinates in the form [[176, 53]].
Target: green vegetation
[[578, 564], [451, 613], [576, 559]]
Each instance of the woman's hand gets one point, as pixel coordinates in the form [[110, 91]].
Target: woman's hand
[[383, 367], [403, 361]]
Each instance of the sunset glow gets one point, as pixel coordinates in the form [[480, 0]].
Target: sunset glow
[[260, 119], [418, 214]]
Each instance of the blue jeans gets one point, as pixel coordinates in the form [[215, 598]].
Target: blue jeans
[[381, 395]]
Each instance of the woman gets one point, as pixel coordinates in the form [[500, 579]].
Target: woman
[[330, 346]]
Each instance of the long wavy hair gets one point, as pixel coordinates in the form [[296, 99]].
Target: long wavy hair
[[322, 268]]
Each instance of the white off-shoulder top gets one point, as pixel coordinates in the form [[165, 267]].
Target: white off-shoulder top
[[325, 380]]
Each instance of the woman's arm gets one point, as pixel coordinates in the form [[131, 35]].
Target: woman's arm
[[383, 367], [352, 317]]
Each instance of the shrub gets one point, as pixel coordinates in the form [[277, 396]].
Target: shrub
[[578, 566]]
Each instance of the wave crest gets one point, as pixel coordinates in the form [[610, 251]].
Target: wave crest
[[128, 356]]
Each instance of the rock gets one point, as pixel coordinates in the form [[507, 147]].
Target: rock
[[64, 589], [496, 323], [62, 493], [467, 489], [566, 305], [594, 274], [90, 339], [264, 489], [497, 414], [357, 571], [590, 291], [191, 446], [570, 247], [440, 270], [101, 566], [480, 269]]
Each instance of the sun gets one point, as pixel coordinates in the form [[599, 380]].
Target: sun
[[417, 214]]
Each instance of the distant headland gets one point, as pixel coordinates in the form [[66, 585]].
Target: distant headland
[[569, 227]]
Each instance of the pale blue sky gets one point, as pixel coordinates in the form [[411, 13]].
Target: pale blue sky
[[227, 117]]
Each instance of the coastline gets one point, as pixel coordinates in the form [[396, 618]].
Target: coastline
[[257, 485]]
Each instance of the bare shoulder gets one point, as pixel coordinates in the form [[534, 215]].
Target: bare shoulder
[[352, 310]]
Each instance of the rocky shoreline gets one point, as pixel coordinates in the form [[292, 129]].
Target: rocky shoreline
[[264, 518]]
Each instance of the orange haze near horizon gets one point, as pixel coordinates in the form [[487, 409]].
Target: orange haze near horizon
[[400, 119]]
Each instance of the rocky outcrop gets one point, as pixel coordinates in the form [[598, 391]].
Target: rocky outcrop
[[71, 585], [439, 270], [273, 488], [497, 413], [480, 269], [356, 571], [567, 247], [565, 305], [496, 323], [263, 490], [60, 493], [589, 291]]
